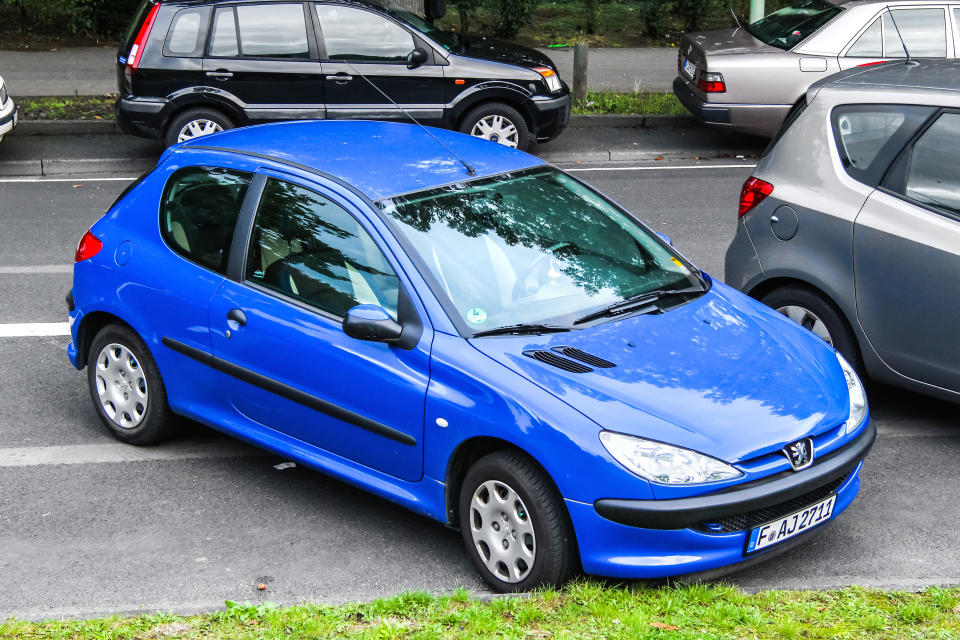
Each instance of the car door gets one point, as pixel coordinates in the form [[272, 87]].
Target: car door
[[277, 324], [262, 60], [907, 258], [365, 66], [925, 31]]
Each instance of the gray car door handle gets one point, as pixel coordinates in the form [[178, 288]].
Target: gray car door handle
[[340, 78], [220, 75]]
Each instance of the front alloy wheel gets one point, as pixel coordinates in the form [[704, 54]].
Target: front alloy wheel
[[497, 128], [808, 320]]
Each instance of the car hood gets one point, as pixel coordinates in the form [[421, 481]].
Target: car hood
[[722, 375], [507, 52], [724, 42]]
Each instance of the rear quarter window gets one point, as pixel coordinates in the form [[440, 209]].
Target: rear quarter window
[[187, 33], [199, 211]]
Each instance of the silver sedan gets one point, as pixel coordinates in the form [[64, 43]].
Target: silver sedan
[[749, 78], [850, 224]]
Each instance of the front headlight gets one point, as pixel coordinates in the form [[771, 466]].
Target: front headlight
[[3, 94], [858, 397], [663, 463], [551, 78]]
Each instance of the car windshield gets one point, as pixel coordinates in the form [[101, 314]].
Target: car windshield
[[532, 247], [792, 24], [447, 39]]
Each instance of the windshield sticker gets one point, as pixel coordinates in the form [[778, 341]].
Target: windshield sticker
[[476, 316]]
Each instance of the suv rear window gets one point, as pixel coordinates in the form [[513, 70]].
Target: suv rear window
[[133, 27], [199, 212], [794, 23]]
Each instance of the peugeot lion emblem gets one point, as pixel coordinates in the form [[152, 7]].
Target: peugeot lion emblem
[[800, 454]]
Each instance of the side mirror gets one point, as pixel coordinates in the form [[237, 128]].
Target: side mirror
[[417, 57], [371, 323], [665, 238]]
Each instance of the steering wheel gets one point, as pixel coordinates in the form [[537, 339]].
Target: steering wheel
[[538, 266]]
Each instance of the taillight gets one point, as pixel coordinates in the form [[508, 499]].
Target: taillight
[[753, 192], [712, 83], [136, 51], [89, 246], [870, 64]]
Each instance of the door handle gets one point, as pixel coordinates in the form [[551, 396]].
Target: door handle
[[220, 75], [340, 78], [237, 316]]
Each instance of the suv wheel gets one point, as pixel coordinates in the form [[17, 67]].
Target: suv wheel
[[514, 525], [126, 387], [195, 123], [812, 311], [497, 122]]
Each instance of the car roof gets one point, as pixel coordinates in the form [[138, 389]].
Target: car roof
[[379, 159], [924, 76]]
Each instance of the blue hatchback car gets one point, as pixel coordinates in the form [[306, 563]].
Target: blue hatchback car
[[464, 330]]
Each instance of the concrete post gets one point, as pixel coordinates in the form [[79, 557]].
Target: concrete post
[[756, 10], [579, 74]]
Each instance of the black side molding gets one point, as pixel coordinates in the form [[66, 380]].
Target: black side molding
[[682, 513], [70, 303], [290, 393]]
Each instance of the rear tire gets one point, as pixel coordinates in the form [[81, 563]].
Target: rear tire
[[514, 524], [497, 122], [126, 387], [196, 123], [818, 314]]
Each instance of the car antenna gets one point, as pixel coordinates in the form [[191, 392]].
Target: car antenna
[[470, 170], [903, 43], [735, 18]]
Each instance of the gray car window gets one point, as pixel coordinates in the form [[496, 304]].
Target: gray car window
[[354, 34], [870, 44], [869, 136], [934, 174], [274, 30], [923, 30]]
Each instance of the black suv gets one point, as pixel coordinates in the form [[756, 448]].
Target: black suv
[[187, 68]]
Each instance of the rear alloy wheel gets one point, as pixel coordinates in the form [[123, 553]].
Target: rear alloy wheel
[[815, 313], [126, 387], [196, 123], [498, 123], [514, 525]]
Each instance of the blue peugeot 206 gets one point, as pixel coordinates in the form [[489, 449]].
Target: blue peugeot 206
[[471, 333]]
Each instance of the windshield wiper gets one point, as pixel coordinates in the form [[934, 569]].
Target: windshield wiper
[[521, 329], [638, 303]]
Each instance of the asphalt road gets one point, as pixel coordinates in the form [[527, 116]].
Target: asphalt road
[[92, 71], [91, 526]]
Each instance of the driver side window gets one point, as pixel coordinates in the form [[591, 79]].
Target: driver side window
[[308, 248], [361, 36]]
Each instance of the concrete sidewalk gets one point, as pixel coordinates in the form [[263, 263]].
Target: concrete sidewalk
[[92, 70]]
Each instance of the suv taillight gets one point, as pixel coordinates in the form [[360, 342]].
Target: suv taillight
[[712, 83], [753, 192], [136, 49], [88, 247]]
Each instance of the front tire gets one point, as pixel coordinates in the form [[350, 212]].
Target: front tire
[[126, 387], [196, 123], [499, 123], [514, 524]]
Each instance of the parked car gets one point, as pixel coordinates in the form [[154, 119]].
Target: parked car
[[850, 224], [187, 69], [749, 78], [479, 337], [8, 111]]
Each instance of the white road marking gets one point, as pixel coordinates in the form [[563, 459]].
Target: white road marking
[[665, 167], [39, 268], [78, 180], [34, 329], [114, 452]]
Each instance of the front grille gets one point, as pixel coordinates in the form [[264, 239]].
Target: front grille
[[751, 519]]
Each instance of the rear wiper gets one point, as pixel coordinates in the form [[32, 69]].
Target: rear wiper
[[638, 303], [521, 329]]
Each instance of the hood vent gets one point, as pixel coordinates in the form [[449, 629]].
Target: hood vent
[[551, 358], [583, 356]]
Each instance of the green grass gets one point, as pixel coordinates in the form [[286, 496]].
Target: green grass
[[631, 103], [585, 609], [66, 107]]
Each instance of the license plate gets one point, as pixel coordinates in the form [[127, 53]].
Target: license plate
[[794, 524], [689, 68]]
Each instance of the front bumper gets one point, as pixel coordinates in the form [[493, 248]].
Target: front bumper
[[665, 538], [8, 118], [550, 116]]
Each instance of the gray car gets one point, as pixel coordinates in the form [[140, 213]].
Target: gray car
[[748, 78], [850, 224]]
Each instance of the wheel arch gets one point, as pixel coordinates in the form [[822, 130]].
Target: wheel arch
[[90, 325], [507, 95]]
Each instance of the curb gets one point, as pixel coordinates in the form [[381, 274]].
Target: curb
[[591, 120], [65, 127], [73, 166]]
